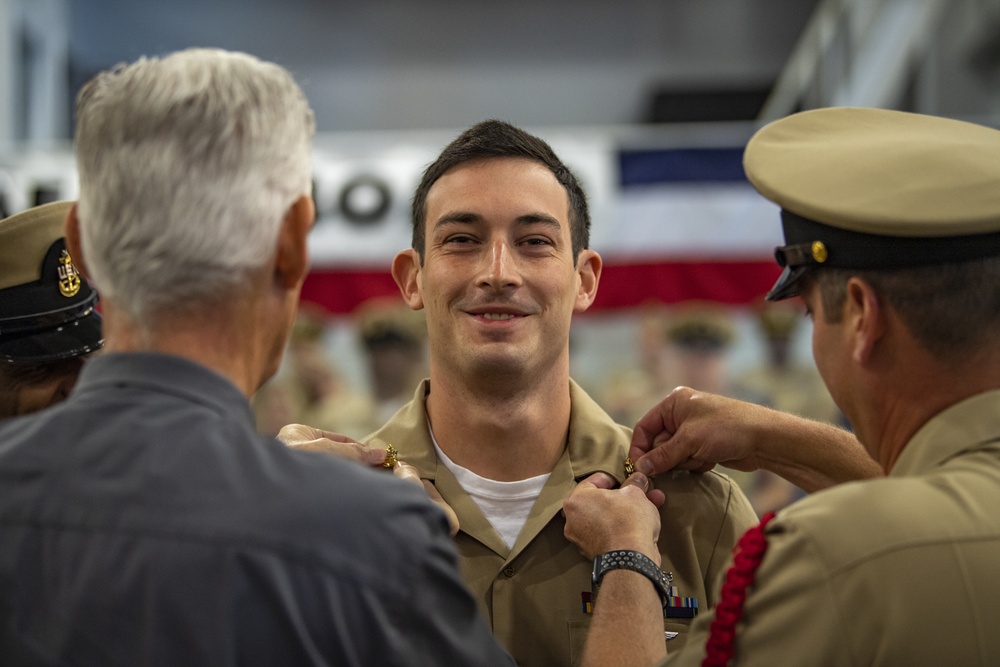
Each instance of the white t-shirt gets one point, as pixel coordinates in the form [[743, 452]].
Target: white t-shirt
[[505, 505]]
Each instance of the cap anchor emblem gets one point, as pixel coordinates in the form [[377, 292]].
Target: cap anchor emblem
[[69, 277]]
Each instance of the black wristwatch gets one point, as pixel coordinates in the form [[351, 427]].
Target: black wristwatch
[[635, 561]]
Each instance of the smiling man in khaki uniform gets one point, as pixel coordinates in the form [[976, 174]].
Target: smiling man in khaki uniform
[[892, 231], [500, 264]]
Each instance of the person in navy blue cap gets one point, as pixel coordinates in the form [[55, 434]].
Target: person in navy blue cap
[[48, 318]]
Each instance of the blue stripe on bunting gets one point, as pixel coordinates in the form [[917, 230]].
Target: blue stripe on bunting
[[701, 165]]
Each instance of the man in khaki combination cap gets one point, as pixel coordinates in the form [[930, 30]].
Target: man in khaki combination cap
[[48, 323], [892, 240]]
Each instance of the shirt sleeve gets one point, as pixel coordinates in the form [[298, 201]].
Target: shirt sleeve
[[790, 615], [384, 591], [420, 612]]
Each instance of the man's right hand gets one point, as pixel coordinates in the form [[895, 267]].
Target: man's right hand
[[309, 439], [691, 430], [601, 518]]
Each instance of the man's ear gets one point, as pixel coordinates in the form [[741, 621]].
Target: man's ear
[[865, 314], [406, 273], [71, 230], [588, 268], [291, 261]]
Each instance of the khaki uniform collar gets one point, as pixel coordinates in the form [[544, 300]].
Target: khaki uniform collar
[[407, 431], [969, 424], [596, 443], [591, 431]]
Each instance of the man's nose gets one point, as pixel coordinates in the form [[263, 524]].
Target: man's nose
[[500, 266]]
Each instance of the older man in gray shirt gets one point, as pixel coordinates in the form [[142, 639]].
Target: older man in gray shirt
[[142, 520]]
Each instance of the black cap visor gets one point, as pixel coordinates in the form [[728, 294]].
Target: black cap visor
[[789, 283], [813, 245], [70, 339]]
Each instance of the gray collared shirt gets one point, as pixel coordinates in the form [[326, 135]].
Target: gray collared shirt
[[144, 522]]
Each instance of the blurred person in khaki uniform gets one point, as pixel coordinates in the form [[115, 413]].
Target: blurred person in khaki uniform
[[892, 231], [683, 345], [499, 264], [699, 336], [394, 340], [694, 339], [48, 321], [783, 384], [311, 390], [630, 389], [309, 387], [780, 382]]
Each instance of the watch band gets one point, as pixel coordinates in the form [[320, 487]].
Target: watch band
[[635, 561]]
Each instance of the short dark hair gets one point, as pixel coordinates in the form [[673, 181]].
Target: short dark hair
[[498, 139], [15, 377], [953, 309]]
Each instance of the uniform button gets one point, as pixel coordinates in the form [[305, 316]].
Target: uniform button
[[508, 571]]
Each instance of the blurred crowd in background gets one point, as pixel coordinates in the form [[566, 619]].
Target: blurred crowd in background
[[311, 389], [655, 348]]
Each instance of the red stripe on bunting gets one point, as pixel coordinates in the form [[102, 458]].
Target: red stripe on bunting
[[342, 291], [631, 285], [622, 285]]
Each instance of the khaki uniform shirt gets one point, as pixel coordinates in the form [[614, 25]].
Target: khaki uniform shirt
[[899, 571], [532, 594]]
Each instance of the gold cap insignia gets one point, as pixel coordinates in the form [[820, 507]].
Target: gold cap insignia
[[819, 251], [69, 277]]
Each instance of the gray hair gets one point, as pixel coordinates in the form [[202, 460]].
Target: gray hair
[[187, 167]]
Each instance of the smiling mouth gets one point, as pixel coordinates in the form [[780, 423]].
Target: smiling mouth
[[498, 316]]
